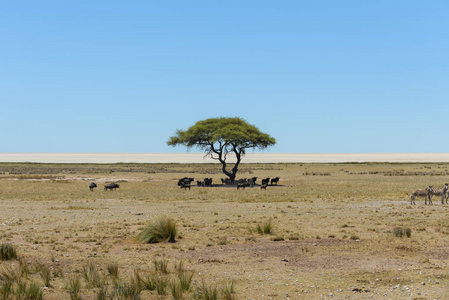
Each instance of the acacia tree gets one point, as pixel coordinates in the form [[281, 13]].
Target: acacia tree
[[219, 137]]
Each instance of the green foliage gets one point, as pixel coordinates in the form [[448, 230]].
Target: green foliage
[[220, 136], [232, 132], [162, 229], [7, 252]]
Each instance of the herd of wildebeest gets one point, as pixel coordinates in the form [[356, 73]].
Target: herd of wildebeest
[[186, 183], [429, 192]]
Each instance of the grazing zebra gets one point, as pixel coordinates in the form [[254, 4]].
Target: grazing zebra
[[421, 193], [439, 192], [92, 186]]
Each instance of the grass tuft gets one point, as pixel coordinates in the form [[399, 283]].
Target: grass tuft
[[228, 291], [113, 270], [7, 252], [265, 228], [91, 275], [73, 287], [205, 291], [401, 232], [161, 265], [161, 230]]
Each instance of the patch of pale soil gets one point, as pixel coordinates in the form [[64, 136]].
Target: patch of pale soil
[[304, 255]]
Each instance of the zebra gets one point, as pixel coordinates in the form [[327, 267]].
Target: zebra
[[421, 193], [264, 186], [440, 192]]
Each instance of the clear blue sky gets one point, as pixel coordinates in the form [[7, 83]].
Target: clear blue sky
[[319, 76]]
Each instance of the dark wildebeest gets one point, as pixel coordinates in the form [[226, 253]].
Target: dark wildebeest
[[207, 181], [275, 180], [111, 186], [265, 181], [242, 185], [226, 181], [264, 186], [185, 180], [92, 185], [185, 186]]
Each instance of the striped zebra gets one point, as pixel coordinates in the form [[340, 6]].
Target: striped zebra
[[421, 193], [440, 192]]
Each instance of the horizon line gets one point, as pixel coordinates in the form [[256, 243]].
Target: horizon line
[[201, 157]]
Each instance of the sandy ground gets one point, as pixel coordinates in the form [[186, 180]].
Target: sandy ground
[[200, 158]]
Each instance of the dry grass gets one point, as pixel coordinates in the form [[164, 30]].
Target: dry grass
[[335, 231]]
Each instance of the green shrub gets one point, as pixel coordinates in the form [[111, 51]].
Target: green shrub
[[7, 252], [161, 230]]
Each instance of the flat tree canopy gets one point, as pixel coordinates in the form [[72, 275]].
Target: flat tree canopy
[[219, 137]]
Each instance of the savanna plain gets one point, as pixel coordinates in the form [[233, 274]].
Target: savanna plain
[[325, 231]]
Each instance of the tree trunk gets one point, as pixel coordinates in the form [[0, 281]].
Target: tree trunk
[[229, 174]]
